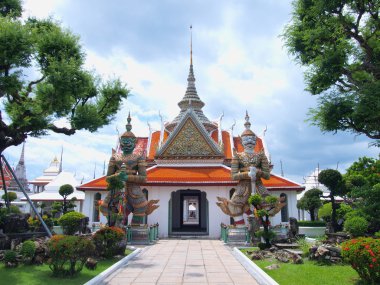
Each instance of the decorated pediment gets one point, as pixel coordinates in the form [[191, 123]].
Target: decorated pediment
[[188, 140]]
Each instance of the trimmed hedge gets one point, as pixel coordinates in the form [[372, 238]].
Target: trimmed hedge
[[110, 241], [71, 222], [311, 223]]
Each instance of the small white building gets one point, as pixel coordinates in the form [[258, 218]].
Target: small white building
[[51, 191]]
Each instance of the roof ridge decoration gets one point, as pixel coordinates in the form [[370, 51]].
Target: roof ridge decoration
[[191, 99], [189, 140]]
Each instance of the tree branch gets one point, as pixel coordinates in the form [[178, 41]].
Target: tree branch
[[30, 85], [58, 130]]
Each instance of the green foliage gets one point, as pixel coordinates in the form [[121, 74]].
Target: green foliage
[[28, 249], [255, 199], [60, 89], [364, 256], [68, 254], [65, 190], [356, 226], [262, 246], [110, 241], [311, 201], [266, 235], [363, 181], [366, 167], [4, 211], [311, 224], [71, 222], [270, 199], [11, 196], [11, 8], [377, 234], [10, 258], [325, 212], [35, 224], [304, 246], [338, 42]]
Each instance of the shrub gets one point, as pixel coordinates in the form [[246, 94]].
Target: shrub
[[262, 245], [364, 256], [4, 212], [325, 212], [28, 249], [311, 223], [110, 241], [11, 196], [10, 258], [68, 254], [377, 234], [71, 222], [35, 224], [356, 226], [304, 246]]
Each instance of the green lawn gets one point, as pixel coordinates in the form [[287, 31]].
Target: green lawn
[[42, 275], [310, 273]]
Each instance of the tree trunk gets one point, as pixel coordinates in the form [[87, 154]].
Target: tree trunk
[[312, 214], [333, 214]]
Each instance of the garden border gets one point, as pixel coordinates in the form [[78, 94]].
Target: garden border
[[104, 274], [261, 277]]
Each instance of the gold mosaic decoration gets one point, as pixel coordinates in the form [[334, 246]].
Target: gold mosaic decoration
[[189, 142]]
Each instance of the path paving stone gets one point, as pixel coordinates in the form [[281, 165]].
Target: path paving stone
[[185, 262]]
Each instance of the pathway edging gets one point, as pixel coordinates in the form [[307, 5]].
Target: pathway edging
[[103, 275], [261, 277]]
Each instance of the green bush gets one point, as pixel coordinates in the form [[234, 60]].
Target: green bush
[[68, 254], [10, 259], [28, 249], [71, 222], [356, 226], [325, 212], [304, 246], [364, 256], [4, 211], [11, 196], [110, 241], [311, 223], [377, 234]]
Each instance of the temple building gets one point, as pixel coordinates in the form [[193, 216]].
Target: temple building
[[189, 166], [49, 174]]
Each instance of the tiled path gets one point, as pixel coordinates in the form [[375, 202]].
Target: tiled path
[[172, 262]]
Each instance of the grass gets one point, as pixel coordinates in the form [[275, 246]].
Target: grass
[[42, 275], [309, 273]]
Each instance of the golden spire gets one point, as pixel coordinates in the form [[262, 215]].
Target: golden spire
[[191, 44]]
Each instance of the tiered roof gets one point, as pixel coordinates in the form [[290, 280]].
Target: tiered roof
[[191, 152]]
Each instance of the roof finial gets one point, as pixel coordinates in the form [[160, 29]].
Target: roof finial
[[128, 126], [247, 123], [191, 44]]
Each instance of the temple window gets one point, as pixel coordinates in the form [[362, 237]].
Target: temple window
[[97, 201]]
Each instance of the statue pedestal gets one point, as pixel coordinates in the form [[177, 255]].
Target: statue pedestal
[[142, 234], [235, 235]]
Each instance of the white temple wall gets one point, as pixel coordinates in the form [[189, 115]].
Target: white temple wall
[[88, 205], [291, 204]]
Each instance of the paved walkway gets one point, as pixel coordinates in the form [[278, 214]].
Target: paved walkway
[[184, 262]]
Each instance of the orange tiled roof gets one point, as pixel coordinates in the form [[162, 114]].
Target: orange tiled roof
[[216, 175], [155, 139]]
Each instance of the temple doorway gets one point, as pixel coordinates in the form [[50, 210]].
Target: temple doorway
[[189, 213]]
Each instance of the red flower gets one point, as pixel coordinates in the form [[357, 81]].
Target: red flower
[[374, 259], [371, 265]]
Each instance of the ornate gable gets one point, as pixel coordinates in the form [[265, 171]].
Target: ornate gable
[[189, 140]]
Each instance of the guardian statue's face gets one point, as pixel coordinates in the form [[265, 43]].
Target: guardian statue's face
[[127, 145], [249, 142]]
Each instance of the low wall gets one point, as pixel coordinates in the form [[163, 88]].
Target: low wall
[[312, 231]]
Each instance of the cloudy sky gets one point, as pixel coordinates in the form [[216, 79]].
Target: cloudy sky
[[240, 64]]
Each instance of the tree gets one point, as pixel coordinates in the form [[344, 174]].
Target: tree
[[339, 42], [264, 206], [42, 80], [362, 180], [311, 202], [114, 186], [333, 180], [10, 195], [65, 190]]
